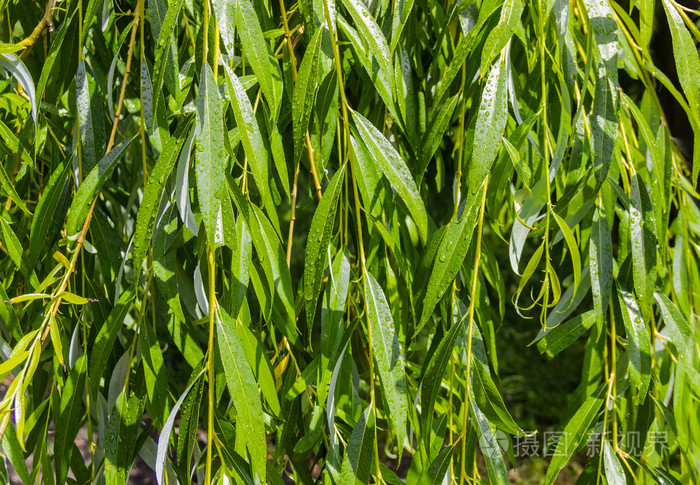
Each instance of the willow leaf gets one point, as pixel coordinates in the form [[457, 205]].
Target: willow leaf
[[12, 245], [604, 115], [305, 92], [216, 209], [240, 266], [680, 330], [155, 373], [20, 72], [164, 439], [164, 51], [685, 54], [433, 137], [225, 11], [490, 449], [371, 35], [563, 335], [255, 148], [575, 431], [332, 307], [643, 242], [601, 263], [68, 417], [638, 345], [152, 194], [359, 454], [388, 354], [511, 10], [317, 244], [435, 370], [90, 117], [444, 262], [435, 473], [614, 473], [490, 123], [91, 186], [258, 53], [395, 170], [243, 390]]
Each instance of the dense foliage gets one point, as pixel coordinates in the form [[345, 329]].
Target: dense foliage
[[253, 241]]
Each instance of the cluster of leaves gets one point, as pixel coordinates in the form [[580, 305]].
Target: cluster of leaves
[[295, 227]]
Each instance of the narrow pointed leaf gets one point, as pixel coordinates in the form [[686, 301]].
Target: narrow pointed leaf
[[217, 212], [388, 354], [91, 186], [243, 390], [395, 170], [317, 244], [359, 454], [259, 55]]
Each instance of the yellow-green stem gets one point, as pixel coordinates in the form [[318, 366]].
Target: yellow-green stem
[[470, 328], [210, 360]]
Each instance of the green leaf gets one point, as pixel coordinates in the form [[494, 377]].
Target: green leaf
[[214, 202], [10, 191], [433, 137], [573, 248], [435, 370], [273, 259], [155, 373], [243, 390], [678, 327], [402, 12], [490, 449], [563, 335], [601, 264], [259, 55], [317, 244], [359, 454], [67, 418], [255, 148], [12, 244], [91, 118], [490, 123], [442, 264], [511, 10], [638, 345], [489, 399], [91, 186], [685, 55], [13, 143], [240, 265], [226, 20], [395, 170], [604, 115], [643, 242], [435, 473], [614, 473], [372, 37], [575, 431], [332, 308], [19, 71], [13, 452], [106, 336], [165, 50], [261, 367], [122, 443], [164, 439], [305, 92], [47, 209], [152, 195], [388, 354]]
